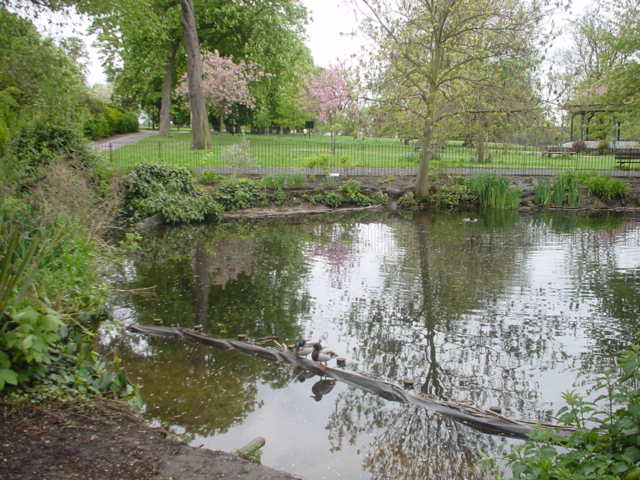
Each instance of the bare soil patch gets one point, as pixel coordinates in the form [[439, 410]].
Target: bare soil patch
[[103, 439]]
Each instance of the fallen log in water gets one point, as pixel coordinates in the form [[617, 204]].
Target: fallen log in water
[[481, 419]]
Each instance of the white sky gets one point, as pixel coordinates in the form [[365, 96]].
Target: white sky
[[329, 33]]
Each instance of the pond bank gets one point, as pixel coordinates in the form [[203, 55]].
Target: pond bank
[[105, 439]]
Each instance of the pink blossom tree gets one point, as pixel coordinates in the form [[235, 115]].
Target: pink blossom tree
[[225, 83], [331, 94]]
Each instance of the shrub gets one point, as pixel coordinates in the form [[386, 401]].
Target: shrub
[[36, 146], [236, 194], [332, 200], [296, 180], [453, 196], [579, 146], [128, 123], [169, 191], [493, 191], [605, 444]]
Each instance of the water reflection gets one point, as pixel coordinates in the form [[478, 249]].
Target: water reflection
[[508, 311]]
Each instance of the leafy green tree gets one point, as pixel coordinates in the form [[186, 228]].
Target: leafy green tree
[[431, 51], [45, 82]]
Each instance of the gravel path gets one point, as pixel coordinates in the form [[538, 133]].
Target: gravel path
[[122, 140]]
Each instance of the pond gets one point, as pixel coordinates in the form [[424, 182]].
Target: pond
[[502, 309]]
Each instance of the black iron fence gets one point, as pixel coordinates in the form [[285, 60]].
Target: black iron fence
[[264, 155]]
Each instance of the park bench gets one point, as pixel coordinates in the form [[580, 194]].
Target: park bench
[[553, 151], [626, 156]]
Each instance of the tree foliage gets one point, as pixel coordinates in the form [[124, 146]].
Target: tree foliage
[[430, 53]]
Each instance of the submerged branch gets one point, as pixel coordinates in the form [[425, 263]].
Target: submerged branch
[[486, 421]]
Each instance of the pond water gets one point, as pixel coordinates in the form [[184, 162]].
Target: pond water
[[500, 310]]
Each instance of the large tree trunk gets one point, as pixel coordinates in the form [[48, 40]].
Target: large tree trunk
[[422, 183], [167, 88], [199, 122]]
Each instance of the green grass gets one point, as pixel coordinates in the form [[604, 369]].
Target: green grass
[[301, 151]]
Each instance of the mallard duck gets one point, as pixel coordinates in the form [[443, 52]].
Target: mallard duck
[[322, 355], [304, 347], [322, 387]]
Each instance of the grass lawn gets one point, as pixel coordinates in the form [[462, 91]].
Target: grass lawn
[[302, 151]]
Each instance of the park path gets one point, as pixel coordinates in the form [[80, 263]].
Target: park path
[[122, 140]]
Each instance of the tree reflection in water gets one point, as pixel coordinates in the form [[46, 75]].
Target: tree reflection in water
[[491, 312]]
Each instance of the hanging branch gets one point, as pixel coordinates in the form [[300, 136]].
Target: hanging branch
[[486, 421]]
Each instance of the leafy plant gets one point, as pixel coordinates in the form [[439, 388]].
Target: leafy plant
[[236, 194], [380, 198], [453, 196], [493, 191], [333, 200], [352, 194], [296, 180], [274, 181], [169, 191], [408, 201], [606, 187], [318, 161], [36, 146], [209, 177], [606, 444]]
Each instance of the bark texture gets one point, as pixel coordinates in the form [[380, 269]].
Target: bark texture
[[199, 122]]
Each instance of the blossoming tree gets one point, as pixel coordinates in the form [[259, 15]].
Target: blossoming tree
[[331, 94], [225, 83]]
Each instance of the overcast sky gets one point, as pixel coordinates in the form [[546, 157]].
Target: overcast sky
[[328, 34]]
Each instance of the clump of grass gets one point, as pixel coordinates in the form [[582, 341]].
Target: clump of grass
[[493, 191], [543, 193], [566, 189], [605, 187], [209, 177]]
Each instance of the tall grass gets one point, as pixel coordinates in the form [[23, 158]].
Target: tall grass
[[494, 191], [566, 189]]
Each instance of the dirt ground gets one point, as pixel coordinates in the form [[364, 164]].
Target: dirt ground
[[103, 439]]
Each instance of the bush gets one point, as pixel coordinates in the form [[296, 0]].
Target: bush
[[168, 191], [605, 445], [332, 200], [128, 123], [239, 193], [579, 146], [453, 196], [36, 146]]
